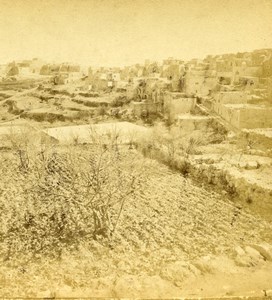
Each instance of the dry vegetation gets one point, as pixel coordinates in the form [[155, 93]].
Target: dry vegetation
[[62, 195], [84, 219], [101, 219]]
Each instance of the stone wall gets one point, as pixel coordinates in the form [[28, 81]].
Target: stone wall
[[191, 124], [175, 104], [260, 141], [256, 118], [256, 198], [148, 107], [231, 97], [250, 195], [229, 114], [245, 117], [194, 83]]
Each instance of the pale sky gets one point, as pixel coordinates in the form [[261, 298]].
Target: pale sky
[[122, 32]]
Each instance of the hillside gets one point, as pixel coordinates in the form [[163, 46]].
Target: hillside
[[171, 234]]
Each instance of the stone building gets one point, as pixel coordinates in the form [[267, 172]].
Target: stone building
[[235, 109], [200, 80], [267, 67], [177, 103], [247, 115]]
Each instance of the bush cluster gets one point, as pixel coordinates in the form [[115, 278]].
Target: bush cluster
[[63, 197]]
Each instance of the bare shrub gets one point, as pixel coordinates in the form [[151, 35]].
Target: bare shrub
[[119, 101], [219, 131], [67, 195], [20, 143], [168, 146], [192, 145], [101, 111]]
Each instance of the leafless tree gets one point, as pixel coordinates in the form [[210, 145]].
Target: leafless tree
[[72, 193]]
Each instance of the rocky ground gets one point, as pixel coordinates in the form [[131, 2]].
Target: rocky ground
[[176, 237], [47, 104], [174, 240]]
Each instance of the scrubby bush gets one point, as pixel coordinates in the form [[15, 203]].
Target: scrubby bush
[[44, 116], [219, 131], [101, 111], [149, 118], [217, 126], [83, 115], [65, 197], [169, 147], [120, 101], [192, 144]]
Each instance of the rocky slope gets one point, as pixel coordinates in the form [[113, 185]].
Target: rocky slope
[[172, 234]]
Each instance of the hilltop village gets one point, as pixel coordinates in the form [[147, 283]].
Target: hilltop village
[[200, 131], [229, 93], [236, 87], [229, 96]]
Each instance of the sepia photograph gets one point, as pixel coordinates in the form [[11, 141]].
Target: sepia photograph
[[136, 149]]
